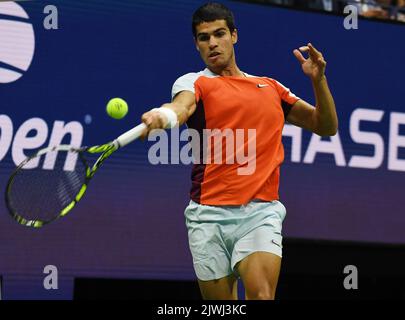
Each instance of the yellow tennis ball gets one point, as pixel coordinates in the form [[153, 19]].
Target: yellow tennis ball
[[117, 108]]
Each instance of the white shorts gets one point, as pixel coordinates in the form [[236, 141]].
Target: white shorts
[[221, 236]]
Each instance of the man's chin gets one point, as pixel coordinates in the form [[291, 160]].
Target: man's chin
[[216, 65]]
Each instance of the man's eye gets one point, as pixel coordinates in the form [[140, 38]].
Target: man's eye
[[204, 38], [220, 34]]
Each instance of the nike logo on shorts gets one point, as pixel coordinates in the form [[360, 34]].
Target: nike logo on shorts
[[262, 85], [276, 243]]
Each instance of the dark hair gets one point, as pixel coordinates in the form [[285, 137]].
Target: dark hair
[[212, 11]]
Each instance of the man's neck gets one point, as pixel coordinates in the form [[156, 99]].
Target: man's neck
[[230, 71]]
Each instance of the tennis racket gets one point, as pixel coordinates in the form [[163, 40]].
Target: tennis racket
[[39, 194]]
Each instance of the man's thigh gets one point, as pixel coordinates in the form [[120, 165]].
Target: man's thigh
[[221, 289], [260, 272]]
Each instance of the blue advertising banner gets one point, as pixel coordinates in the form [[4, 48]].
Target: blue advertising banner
[[55, 83]]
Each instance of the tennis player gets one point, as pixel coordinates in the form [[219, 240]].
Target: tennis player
[[234, 221]]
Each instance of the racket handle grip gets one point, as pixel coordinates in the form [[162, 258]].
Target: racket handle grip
[[129, 136]]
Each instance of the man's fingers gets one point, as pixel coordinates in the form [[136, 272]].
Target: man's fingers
[[316, 55], [144, 134], [153, 120], [146, 119], [313, 52], [311, 47], [299, 56], [322, 62]]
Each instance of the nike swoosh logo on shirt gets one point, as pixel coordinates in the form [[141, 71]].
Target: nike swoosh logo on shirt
[[262, 85]]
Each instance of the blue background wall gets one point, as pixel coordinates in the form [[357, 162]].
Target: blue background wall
[[131, 223]]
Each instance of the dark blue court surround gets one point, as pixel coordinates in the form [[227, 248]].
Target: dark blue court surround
[[130, 223]]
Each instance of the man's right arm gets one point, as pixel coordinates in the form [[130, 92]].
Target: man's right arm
[[183, 106]]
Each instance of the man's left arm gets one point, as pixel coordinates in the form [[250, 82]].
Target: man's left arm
[[321, 119]]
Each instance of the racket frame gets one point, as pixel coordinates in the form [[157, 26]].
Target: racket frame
[[106, 150]]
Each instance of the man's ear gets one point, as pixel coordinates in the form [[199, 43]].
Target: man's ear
[[235, 36]]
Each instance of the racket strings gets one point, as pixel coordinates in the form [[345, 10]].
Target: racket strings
[[41, 194]]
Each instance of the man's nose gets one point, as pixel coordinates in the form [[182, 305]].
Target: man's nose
[[212, 43]]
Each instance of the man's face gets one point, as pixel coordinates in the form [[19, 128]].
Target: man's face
[[215, 43]]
